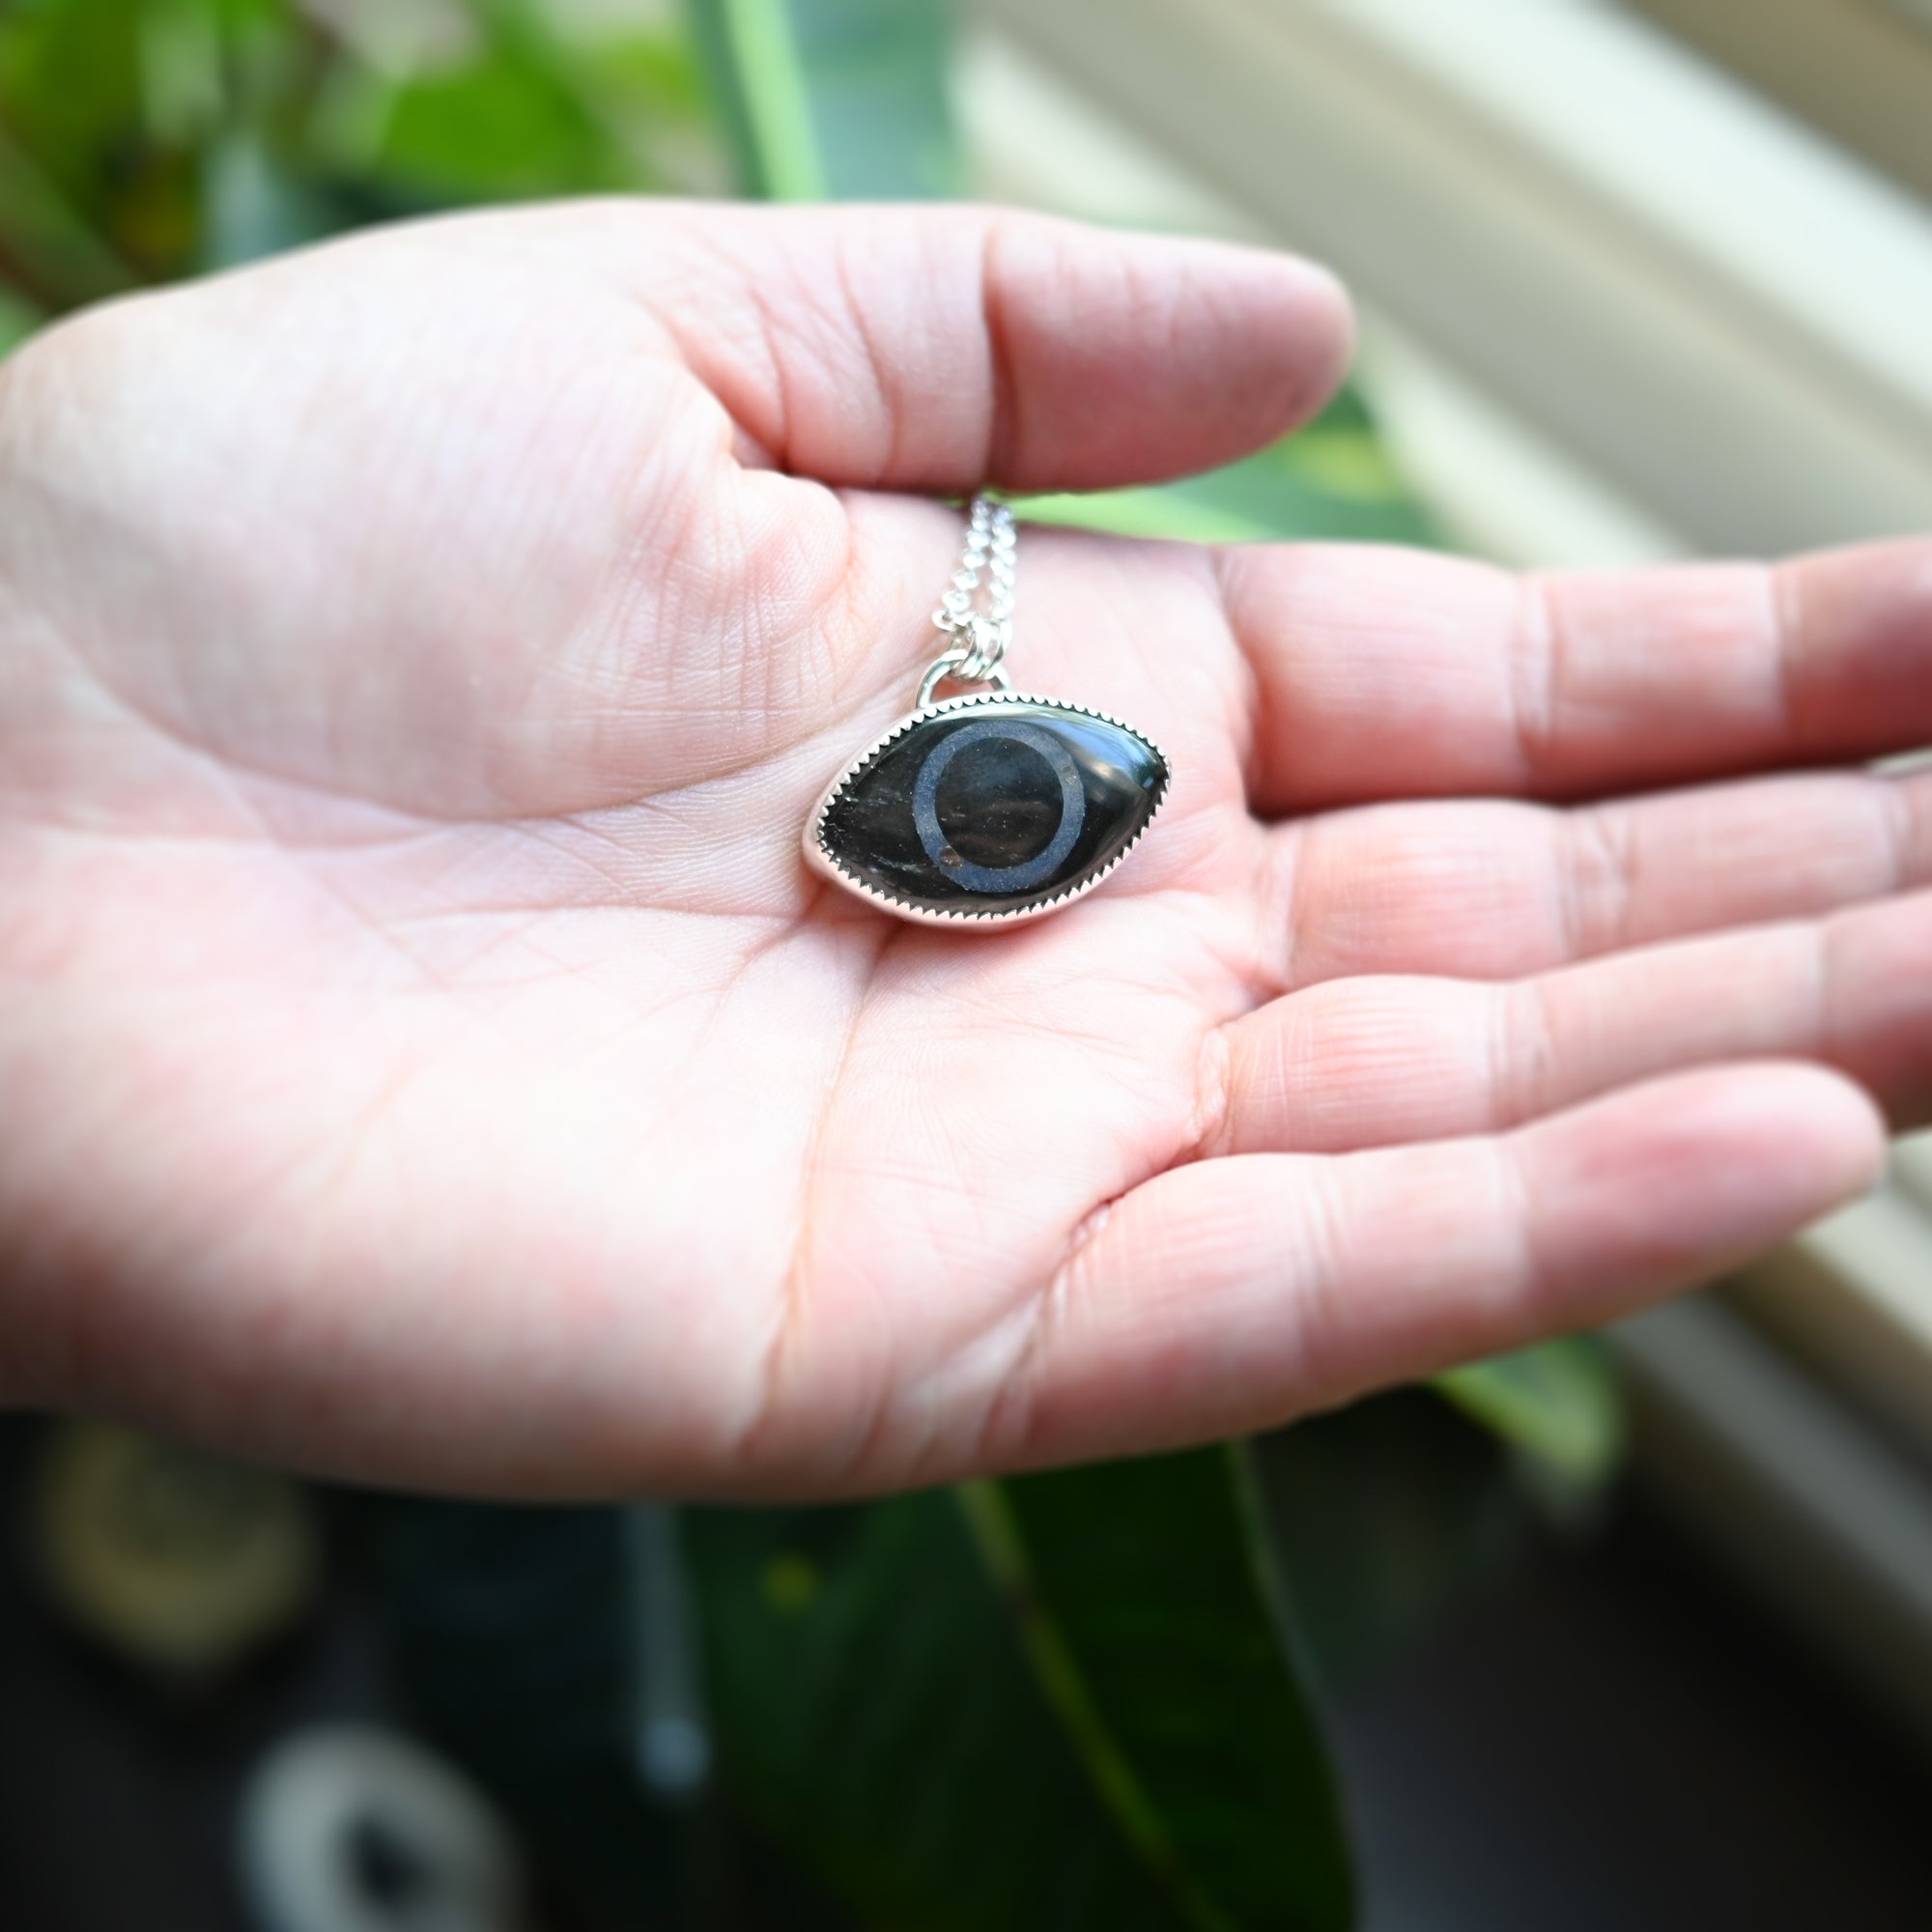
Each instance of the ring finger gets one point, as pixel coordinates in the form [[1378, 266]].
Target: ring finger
[[1496, 888]]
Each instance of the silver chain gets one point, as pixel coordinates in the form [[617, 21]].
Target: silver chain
[[976, 638]]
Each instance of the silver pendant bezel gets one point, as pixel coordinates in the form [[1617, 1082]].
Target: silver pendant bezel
[[823, 863]]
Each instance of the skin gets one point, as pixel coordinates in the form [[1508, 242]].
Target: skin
[[425, 1057]]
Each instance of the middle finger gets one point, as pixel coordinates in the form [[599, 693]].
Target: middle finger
[[1493, 889]]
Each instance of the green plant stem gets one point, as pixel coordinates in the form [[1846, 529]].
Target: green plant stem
[[776, 104]]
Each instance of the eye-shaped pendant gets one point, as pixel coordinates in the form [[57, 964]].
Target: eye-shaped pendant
[[993, 808]]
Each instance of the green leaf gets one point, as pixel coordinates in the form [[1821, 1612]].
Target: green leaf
[[1067, 1704], [1146, 1595], [95, 194], [1331, 479], [18, 319], [46, 241], [505, 119], [523, 108], [60, 96], [834, 98], [1556, 1403], [874, 1709], [648, 85], [145, 139]]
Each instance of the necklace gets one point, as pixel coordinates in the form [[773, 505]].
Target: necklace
[[995, 806]]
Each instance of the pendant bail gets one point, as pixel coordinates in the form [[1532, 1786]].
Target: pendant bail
[[954, 664]]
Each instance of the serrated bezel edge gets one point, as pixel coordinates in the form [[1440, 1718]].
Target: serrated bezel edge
[[823, 861]]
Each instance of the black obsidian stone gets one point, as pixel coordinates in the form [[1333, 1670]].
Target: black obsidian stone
[[999, 806]]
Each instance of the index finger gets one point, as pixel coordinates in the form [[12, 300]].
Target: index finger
[[1384, 674], [927, 347]]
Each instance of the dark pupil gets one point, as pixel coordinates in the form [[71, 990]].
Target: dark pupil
[[388, 1869], [999, 801]]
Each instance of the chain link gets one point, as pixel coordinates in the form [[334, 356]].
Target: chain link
[[977, 638]]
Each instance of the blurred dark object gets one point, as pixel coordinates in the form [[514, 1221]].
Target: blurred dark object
[[1603, 1736], [180, 1563], [352, 1828]]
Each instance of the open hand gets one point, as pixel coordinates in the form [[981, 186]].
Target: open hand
[[424, 1055]]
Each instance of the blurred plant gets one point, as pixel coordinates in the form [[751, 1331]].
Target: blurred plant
[[146, 139], [1063, 1701]]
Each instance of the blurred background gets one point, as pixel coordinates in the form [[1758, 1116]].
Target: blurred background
[[1630, 1631]]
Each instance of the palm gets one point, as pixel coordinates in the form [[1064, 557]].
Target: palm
[[412, 874]]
